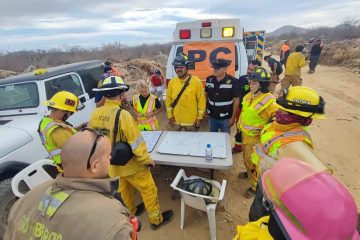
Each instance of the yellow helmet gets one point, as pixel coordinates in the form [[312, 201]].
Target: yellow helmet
[[63, 100], [302, 101]]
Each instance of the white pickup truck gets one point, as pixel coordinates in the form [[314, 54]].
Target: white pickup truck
[[21, 109]]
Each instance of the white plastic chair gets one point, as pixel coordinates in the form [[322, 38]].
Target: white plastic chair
[[197, 201], [32, 175]]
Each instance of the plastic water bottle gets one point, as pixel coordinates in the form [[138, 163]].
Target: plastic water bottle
[[208, 152]]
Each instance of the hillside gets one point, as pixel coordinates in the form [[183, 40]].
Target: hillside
[[286, 30]]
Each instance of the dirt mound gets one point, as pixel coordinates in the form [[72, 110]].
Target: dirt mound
[[344, 53], [5, 74], [141, 69]]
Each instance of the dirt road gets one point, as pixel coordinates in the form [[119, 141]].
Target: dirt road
[[337, 143]]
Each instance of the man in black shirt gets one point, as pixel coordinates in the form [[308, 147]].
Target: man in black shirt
[[276, 70], [222, 97], [315, 51]]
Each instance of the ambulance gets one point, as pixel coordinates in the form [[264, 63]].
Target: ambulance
[[206, 40]]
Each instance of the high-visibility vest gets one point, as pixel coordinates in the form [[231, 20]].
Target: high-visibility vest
[[266, 151], [144, 123], [250, 121], [52, 200], [46, 127]]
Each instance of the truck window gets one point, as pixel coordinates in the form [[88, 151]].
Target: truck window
[[90, 78], [24, 95], [70, 83], [250, 45]]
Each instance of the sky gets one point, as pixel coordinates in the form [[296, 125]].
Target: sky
[[40, 24]]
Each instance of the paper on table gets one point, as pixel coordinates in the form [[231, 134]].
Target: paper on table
[[151, 138], [193, 144]]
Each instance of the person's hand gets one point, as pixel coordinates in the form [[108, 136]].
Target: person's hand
[[151, 164], [81, 126], [197, 123], [231, 122], [138, 115], [150, 114], [206, 114], [172, 122]]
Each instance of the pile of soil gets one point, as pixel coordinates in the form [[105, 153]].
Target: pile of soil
[[5, 74], [344, 53], [140, 69]]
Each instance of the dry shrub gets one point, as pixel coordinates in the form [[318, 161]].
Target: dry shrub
[[115, 52]]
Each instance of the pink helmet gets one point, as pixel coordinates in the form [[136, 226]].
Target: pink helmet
[[310, 204]]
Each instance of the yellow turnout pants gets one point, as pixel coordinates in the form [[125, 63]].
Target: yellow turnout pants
[[251, 168], [144, 183]]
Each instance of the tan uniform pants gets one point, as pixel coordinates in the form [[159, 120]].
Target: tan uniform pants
[[251, 168], [185, 128], [144, 183], [290, 80]]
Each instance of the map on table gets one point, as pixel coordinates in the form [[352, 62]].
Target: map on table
[[151, 138], [193, 144]]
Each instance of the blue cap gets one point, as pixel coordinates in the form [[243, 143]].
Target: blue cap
[[208, 145]]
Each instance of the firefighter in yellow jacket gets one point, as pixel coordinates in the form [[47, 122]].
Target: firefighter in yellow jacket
[[146, 106], [54, 131], [258, 107], [135, 174], [298, 106], [186, 110]]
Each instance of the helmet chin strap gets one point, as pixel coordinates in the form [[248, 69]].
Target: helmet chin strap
[[65, 117], [256, 92]]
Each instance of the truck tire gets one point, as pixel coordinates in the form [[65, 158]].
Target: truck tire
[[7, 199]]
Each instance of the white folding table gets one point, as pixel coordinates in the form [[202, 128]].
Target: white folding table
[[189, 160]]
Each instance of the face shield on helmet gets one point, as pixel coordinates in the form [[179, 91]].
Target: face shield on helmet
[[302, 101], [298, 195]]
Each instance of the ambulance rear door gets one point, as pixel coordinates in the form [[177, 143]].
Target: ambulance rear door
[[206, 40], [254, 44]]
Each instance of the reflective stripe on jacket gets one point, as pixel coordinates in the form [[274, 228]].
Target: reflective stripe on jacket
[[251, 122], [271, 140], [103, 120], [145, 123], [70, 208], [46, 127]]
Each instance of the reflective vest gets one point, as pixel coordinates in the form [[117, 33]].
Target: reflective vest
[[266, 151], [52, 200], [251, 122], [144, 123], [46, 127]]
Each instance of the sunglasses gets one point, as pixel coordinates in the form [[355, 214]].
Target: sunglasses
[[98, 136]]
